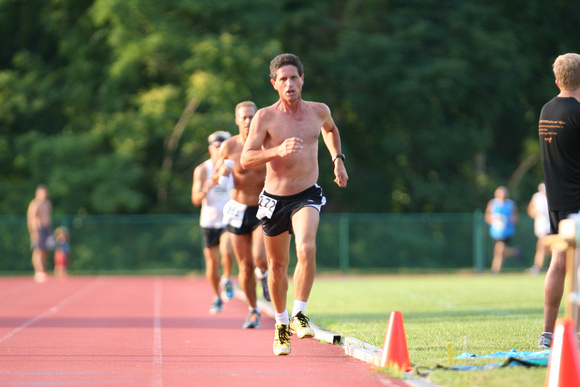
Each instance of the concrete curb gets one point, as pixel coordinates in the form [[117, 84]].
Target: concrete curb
[[362, 351]]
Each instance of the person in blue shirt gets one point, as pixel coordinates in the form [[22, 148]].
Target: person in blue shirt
[[502, 215]]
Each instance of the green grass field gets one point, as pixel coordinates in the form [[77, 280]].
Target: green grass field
[[480, 314]]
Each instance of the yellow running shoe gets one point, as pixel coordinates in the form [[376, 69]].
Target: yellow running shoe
[[281, 344], [299, 325]]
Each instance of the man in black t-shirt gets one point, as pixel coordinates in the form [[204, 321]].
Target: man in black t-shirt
[[559, 133]]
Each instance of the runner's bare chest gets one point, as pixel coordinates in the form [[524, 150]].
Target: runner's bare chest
[[305, 126]]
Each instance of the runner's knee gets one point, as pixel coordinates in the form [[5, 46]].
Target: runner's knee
[[306, 250]]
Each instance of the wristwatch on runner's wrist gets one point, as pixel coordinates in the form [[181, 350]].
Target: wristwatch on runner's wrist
[[338, 156]]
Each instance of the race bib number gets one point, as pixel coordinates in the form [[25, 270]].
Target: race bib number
[[234, 213], [266, 207]]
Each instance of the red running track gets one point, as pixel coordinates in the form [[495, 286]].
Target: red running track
[[152, 331]]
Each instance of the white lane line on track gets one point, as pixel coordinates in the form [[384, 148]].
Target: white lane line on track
[[157, 380], [52, 310]]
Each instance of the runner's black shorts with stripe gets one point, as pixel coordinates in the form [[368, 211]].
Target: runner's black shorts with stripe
[[286, 206]]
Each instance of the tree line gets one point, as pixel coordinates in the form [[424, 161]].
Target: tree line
[[110, 102]]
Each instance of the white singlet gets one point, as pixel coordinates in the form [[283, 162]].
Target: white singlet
[[212, 205], [542, 219]]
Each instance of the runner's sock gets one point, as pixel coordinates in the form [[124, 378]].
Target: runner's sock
[[282, 318], [299, 306]]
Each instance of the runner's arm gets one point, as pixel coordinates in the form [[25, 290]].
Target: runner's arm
[[331, 138], [488, 217], [197, 189], [222, 155]]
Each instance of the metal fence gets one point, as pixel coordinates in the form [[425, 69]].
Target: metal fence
[[346, 243]]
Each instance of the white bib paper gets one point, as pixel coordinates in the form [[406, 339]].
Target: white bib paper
[[266, 207], [234, 213]]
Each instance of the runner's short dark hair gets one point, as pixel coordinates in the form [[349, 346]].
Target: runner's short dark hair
[[284, 60]]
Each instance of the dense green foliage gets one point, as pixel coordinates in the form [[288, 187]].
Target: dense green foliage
[[109, 102]]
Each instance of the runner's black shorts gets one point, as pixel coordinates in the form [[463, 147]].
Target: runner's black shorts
[[287, 206], [249, 223], [557, 216], [211, 236]]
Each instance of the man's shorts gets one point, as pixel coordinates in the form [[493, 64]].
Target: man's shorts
[[277, 211], [211, 236], [249, 222], [557, 216], [507, 241], [45, 239]]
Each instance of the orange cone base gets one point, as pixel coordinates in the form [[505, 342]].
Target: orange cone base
[[564, 366]]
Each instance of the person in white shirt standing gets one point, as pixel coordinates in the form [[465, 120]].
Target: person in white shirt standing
[[538, 210]]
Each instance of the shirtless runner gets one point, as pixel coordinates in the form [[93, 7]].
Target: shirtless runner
[[240, 212], [284, 136], [39, 220]]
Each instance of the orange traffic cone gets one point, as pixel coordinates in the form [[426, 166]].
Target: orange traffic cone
[[564, 366], [395, 351]]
